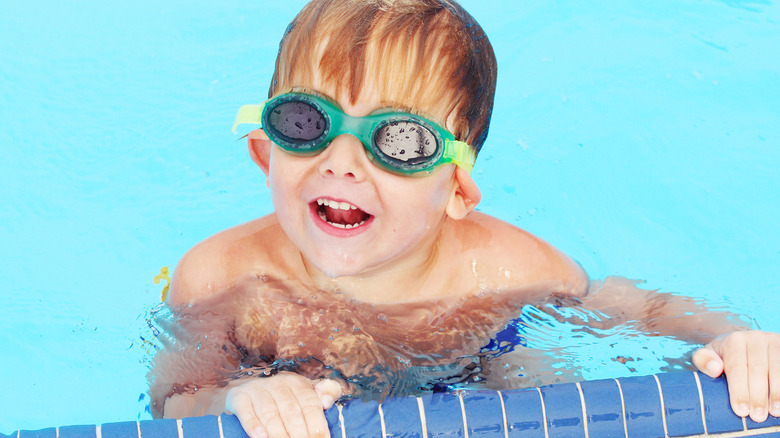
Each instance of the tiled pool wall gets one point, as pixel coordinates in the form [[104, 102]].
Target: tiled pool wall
[[663, 405]]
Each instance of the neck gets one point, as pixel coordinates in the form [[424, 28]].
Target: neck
[[409, 279]]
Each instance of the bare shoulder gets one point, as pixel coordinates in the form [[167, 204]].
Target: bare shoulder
[[223, 259], [510, 257]]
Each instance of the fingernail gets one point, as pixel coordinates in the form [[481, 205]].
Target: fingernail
[[742, 410], [775, 410], [758, 414], [712, 368]]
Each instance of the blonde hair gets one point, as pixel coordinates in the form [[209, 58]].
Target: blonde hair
[[428, 53]]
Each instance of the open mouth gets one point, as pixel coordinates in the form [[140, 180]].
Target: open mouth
[[341, 214]]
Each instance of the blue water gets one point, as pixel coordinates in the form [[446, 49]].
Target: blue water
[[642, 138]]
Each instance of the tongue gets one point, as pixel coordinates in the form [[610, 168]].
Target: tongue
[[344, 217]]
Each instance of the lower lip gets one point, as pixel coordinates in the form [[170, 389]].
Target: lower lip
[[335, 231]]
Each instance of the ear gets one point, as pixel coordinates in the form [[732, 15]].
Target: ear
[[260, 149], [465, 196]]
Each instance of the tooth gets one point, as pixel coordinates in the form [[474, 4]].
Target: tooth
[[344, 206], [338, 225], [320, 201]]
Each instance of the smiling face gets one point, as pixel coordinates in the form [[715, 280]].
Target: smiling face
[[346, 215]]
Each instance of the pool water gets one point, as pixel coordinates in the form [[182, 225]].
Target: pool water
[[641, 138]]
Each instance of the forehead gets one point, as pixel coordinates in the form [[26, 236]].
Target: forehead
[[394, 68]]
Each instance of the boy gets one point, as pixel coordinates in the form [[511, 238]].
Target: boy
[[373, 253]]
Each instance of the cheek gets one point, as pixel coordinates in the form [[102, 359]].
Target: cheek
[[424, 204]]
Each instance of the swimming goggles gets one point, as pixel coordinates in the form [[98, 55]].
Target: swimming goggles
[[401, 143]]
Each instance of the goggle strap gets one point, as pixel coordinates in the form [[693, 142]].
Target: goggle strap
[[461, 154], [249, 114]]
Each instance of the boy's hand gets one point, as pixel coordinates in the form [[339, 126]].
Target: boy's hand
[[751, 361], [284, 405]]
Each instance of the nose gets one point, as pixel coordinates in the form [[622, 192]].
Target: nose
[[345, 157]]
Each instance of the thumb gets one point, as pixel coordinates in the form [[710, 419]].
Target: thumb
[[329, 391], [708, 360]]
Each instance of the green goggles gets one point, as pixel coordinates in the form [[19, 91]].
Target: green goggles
[[401, 143]]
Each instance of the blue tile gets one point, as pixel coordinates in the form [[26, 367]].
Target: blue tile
[[13, 435], [200, 427], [604, 408], [644, 416], [334, 423], [682, 404], [127, 429], [443, 415], [43, 433], [78, 431], [524, 415], [717, 409], [362, 419], [770, 421], [402, 417], [564, 410], [231, 427], [159, 429], [484, 415]]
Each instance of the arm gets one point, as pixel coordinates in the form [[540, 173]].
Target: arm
[[750, 358], [200, 370]]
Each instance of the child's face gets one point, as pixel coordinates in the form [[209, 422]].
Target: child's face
[[350, 217]]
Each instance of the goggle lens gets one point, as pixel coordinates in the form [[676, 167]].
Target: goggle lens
[[297, 122], [405, 141]]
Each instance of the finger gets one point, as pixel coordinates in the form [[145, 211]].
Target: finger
[[328, 391], [240, 404], [734, 353], [286, 418], [774, 376], [312, 408], [758, 376], [708, 361]]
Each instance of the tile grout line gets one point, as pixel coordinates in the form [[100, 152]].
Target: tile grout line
[[179, 428], [584, 410], [623, 407], [339, 406], [663, 405], [463, 414], [544, 414], [98, 431], [423, 421], [138, 428], [739, 433], [701, 402], [219, 424], [503, 413], [382, 420]]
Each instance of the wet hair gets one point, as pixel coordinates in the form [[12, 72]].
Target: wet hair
[[422, 55]]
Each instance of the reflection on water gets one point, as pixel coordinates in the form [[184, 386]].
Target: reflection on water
[[493, 340]]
